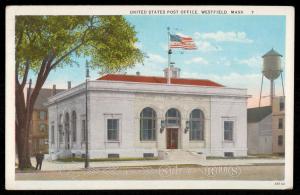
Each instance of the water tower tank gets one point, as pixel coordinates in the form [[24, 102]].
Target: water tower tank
[[272, 64]]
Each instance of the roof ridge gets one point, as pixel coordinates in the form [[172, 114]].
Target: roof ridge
[[158, 77]]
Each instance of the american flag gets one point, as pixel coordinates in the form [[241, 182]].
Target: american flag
[[184, 42]]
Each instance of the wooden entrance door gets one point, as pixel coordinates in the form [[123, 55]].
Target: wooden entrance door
[[172, 138]]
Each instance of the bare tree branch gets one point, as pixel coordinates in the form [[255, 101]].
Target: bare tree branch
[[17, 73], [65, 55], [19, 41]]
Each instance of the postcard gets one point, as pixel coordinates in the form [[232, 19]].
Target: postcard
[[149, 97]]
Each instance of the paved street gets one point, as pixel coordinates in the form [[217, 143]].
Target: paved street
[[164, 172]]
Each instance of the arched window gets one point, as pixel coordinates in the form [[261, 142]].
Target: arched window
[[67, 130], [172, 117], [67, 122], [196, 125], [148, 124], [74, 130], [60, 128]]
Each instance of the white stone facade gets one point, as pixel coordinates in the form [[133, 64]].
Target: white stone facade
[[125, 101]]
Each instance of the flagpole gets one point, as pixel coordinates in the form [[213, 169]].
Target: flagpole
[[169, 56]]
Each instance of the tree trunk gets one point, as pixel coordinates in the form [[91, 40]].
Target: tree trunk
[[24, 110], [24, 113], [23, 150], [22, 130]]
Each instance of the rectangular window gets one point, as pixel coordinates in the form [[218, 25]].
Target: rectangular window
[[228, 130], [83, 138], [280, 123], [43, 127], [280, 140], [42, 115], [113, 129], [281, 104], [41, 142], [52, 134]]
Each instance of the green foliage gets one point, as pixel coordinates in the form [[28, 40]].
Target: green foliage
[[108, 40]]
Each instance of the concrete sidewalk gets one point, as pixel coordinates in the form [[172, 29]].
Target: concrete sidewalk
[[55, 165]]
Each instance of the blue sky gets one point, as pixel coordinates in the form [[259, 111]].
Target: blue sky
[[229, 49]]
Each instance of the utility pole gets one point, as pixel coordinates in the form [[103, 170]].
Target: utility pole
[[86, 164]]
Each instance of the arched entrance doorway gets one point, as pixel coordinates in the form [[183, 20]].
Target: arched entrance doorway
[[172, 128]]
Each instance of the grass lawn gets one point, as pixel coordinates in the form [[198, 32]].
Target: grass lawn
[[76, 159]]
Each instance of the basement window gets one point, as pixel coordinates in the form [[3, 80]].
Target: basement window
[[113, 156], [148, 155], [228, 154]]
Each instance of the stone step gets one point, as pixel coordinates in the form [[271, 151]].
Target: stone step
[[180, 155]]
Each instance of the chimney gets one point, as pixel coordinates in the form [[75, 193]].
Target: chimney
[[54, 90], [138, 73], [69, 84]]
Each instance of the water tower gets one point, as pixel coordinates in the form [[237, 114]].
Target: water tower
[[271, 70]]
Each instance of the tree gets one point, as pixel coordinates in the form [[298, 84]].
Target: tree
[[44, 43]]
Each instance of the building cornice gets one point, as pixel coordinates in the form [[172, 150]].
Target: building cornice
[[154, 88]]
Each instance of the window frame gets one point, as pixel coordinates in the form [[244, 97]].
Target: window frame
[[112, 116], [44, 129], [201, 120], [52, 133], [153, 119], [117, 129], [74, 126], [281, 105], [280, 123], [229, 119], [177, 118], [60, 134], [280, 141], [45, 115]]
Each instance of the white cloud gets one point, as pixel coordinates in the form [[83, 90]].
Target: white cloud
[[182, 35], [206, 46], [164, 46], [224, 62], [153, 65], [221, 36], [249, 81], [196, 60], [253, 61], [139, 45], [155, 58]]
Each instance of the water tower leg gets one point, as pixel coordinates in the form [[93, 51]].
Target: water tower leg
[[261, 85], [272, 92], [282, 83]]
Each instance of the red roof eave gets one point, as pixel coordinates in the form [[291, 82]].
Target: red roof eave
[[153, 79]]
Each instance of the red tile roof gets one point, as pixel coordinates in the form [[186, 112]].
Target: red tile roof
[[152, 79]]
